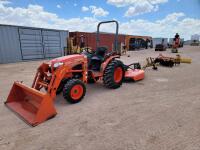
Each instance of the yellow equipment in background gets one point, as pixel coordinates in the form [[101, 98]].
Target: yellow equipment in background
[[183, 60], [165, 61], [71, 48], [186, 60]]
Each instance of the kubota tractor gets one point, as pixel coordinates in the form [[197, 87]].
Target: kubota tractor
[[69, 74]]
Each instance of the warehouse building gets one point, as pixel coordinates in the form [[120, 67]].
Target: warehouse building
[[19, 43]]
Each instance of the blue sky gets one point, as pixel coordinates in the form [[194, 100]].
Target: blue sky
[[72, 8], [158, 18]]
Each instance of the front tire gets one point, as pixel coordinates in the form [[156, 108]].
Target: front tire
[[60, 87], [74, 91], [114, 74]]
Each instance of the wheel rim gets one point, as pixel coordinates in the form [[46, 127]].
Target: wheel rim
[[118, 74], [76, 92]]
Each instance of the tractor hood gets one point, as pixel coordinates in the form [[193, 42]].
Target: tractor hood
[[67, 58]]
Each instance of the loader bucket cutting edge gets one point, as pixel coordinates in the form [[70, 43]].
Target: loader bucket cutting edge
[[33, 106]]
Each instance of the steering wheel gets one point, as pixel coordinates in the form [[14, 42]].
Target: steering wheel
[[89, 50]]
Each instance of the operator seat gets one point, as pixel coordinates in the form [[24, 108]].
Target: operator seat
[[100, 53], [98, 58]]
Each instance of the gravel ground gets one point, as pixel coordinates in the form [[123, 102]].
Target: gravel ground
[[161, 112]]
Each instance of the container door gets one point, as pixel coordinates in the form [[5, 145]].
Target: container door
[[31, 43], [52, 43]]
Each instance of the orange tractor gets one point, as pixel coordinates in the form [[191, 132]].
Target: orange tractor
[[68, 74]]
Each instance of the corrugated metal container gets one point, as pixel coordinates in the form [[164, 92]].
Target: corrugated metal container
[[19, 43], [9, 44], [106, 39], [159, 41]]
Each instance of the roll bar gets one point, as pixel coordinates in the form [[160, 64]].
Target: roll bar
[[116, 34]]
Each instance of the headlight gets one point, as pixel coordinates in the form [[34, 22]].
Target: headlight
[[56, 65]]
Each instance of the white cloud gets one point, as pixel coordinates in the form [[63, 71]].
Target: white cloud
[[4, 2], [140, 8], [96, 11], [58, 6], [36, 16], [84, 8], [158, 1], [123, 3], [171, 18], [137, 7], [166, 27]]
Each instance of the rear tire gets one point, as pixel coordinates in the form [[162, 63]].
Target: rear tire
[[114, 74], [74, 91]]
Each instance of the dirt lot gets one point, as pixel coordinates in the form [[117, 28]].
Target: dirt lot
[[161, 112]]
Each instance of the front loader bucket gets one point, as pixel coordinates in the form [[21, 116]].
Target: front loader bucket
[[33, 106]]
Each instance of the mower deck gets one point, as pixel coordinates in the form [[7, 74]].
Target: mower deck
[[135, 74]]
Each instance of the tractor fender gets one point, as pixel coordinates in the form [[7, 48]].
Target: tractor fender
[[108, 60]]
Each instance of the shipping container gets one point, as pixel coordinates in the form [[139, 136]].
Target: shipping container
[[19, 43], [89, 39], [159, 41], [135, 42]]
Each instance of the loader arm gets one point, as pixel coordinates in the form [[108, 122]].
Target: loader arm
[[32, 104]]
